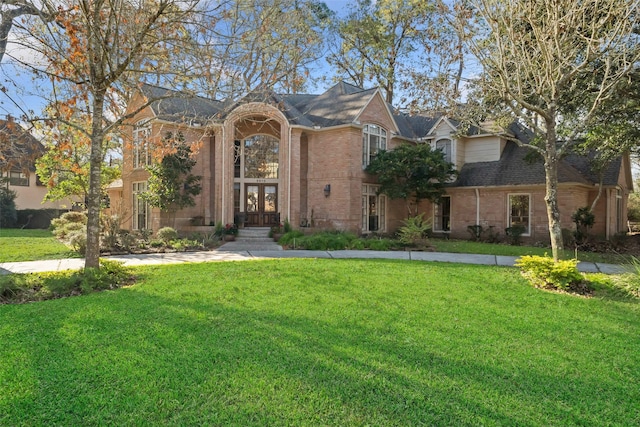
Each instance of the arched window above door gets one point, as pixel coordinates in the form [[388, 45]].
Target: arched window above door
[[257, 157]]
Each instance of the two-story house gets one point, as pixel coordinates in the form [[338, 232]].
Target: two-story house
[[272, 157]]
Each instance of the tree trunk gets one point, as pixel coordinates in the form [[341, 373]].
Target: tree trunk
[[92, 256], [551, 196]]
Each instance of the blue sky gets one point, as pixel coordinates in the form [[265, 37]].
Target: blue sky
[[20, 98]]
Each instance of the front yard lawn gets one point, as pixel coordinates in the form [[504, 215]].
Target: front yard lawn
[[322, 342], [31, 245]]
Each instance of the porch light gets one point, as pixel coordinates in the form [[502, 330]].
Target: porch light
[[327, 190]]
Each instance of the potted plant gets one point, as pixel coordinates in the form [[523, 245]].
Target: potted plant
[[230, 232], [276, 232]]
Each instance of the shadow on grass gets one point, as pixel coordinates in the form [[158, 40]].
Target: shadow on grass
[[188, 357]]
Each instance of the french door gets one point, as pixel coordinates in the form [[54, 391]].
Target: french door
[[261, 205]]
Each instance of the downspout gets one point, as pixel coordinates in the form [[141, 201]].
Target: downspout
[[223, 204], [607, 221], [477, 207], [289, 178]]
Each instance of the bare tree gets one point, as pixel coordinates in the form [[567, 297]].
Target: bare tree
[[94, 52], [550, 64], [11, 10], [403, 46]]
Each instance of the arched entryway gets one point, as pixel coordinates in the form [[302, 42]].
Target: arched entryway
[[256, 178], [256, 171]]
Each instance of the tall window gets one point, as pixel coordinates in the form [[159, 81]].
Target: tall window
[[444, 145], [18, 178], [373, 209], [141, 152], [374, 139], [442, 214], [519, 212], [259, 155], [140, 207]]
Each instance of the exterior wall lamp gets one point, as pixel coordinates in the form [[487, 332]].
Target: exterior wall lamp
[[327, 190]]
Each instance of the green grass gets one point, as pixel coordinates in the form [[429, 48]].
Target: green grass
[[322, 342], [31, 245], [470, 247]]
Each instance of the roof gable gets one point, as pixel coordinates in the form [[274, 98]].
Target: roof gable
[[18, 148]]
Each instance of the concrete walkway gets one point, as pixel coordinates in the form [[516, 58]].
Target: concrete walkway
[[228, 254]]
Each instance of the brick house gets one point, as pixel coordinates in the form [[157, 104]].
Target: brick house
[[299, 157]]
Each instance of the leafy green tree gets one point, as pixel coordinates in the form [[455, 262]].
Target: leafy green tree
[[413, 173], [172, 186]]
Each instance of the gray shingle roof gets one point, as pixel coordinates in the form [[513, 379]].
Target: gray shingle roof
[[170, 105], [521, 166]]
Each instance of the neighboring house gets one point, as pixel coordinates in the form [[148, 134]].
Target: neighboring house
[[273, 157], [19, 151]]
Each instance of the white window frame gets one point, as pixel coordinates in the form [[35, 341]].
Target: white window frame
[[370, 133], [437, 215], [141, 152], [509, 211], [380, 209], [139, 187]]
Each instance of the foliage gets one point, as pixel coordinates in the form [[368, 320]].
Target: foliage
[[231, 229], [8, 213], [335, 241], [412, 172], [514, 233], [21, 288], [630, 282], [171, 184], [584, 220], [287, 226], [544, 272], [71, 228], [414, 231], [64, 168], [633, 207], [276, 229], [167, 234], [322, 342]]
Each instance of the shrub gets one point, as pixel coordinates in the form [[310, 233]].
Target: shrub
[[291, 239], [78, 241], [287, 226], [414, 231], [8, 213], [584, 220], [543, 272], [380, 244], [167, 234], [515, 234], [475, 231], [19, 288], [629, 282]]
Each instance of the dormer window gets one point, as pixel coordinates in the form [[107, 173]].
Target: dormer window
[[445, 146], [374, 139]]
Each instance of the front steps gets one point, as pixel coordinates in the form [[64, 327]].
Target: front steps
[[252, 239]]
